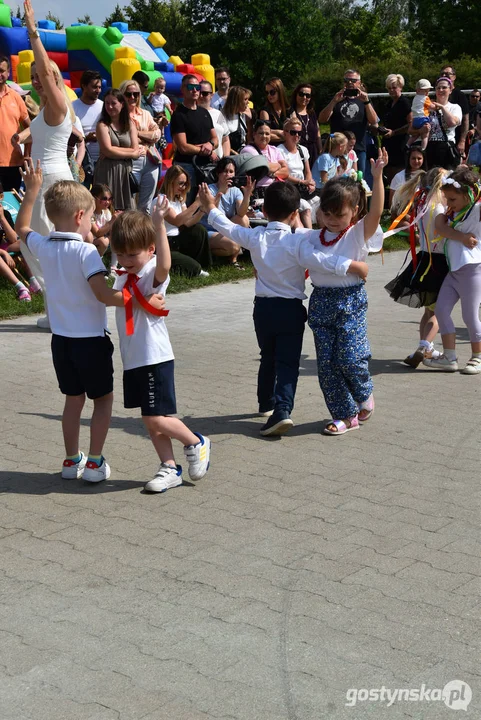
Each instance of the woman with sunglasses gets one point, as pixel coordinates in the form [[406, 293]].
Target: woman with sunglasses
[[119, 146], [278, 169], [275, 111], [145, 170], [297, 159], [302, 105], [237, 118], [444, 118]]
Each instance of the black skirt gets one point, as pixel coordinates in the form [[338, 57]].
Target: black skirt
[[412, 289]]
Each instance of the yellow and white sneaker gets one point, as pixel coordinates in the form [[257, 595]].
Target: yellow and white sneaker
[[198, 457]]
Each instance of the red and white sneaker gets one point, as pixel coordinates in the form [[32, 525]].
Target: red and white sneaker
[[72, 470], [96, 473]]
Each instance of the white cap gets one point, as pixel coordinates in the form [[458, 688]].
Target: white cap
[[423, 84]]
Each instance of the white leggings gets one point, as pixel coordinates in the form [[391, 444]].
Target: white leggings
[[465, 285]]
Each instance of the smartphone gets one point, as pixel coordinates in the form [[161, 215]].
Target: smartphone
[[239, 181], [351, 92]]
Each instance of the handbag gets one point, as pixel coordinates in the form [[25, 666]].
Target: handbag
[[133, 184], [153, 155], [238, 137]]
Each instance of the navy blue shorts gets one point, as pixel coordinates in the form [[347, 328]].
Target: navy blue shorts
[[83, 365], [151, 388]]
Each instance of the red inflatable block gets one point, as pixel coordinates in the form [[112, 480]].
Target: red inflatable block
[[75, 78], [61, 59], [185, 68]]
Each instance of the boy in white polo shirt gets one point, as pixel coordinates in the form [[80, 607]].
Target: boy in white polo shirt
[[77, 293], [280, 258], [145, 347]]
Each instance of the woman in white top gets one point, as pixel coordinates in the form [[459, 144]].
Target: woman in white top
[[146, 172], [297, 159], [415, 161], [188, 240], [235, 112], [441, 149]]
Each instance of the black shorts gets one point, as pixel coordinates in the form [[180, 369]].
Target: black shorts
[[151, 388], [83, 365]]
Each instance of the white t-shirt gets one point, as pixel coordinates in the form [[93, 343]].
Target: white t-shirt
[[294, 161], [398, 180], [89, 116], [67, 263], [150, 343], [159, 102], [458, 254], [352, 246], [436, 130], [220, 127], [102, 218]]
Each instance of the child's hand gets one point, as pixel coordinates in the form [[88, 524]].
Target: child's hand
[[359, 268], [469, 241], [156, 300], [206, 199], [32, 176], [160, 208], [377, 166], [7, 258], [248, 188]]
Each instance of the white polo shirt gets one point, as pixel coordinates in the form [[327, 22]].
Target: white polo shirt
[[150, 343], [67, 263]]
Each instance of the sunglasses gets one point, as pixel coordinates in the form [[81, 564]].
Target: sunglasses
[[351, 80], [271, 92], [182, 183], [205, 93], [192, 87], [303, 94], [132, 94], [295, 132]]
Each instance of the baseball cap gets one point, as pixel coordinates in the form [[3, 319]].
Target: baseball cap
[[423, 84], [20, 90]]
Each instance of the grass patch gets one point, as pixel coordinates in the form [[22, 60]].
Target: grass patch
[[10, 307]]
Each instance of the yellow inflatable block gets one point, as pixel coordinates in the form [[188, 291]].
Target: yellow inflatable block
[[156, 39], [208, 72], [123, 69], [71, 94], [200, 59], [175, 60], [125, 52], [25, 59]]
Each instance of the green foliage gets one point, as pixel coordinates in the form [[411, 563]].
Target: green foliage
[[55, 19], [85, 20]]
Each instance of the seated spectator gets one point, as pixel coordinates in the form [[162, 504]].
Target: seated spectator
[[278, 169], [237, 119], [10, 245], [102, 221], [350, 158], [415, 161], [297, 159], [275, 111], [328, 164], [302, 105], [234, 203], [188, 240]]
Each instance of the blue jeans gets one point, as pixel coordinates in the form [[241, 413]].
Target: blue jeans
[[279, 324]]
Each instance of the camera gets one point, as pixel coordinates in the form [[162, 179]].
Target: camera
[[239, 181], [351, 92], [382, 130]]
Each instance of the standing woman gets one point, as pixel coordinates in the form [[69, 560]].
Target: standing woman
[[144, 169], [119, 146], [441, 150], [275, 111], [397, 120], [238, 122], [302, 104]]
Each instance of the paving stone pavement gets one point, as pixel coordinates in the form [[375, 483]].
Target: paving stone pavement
[[300, 568]]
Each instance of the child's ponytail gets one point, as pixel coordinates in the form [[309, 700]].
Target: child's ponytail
[[333, 141], [405, 193]]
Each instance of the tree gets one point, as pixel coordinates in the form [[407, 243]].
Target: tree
[[85, 20], [55, 19], [286, 38], [116, 16]]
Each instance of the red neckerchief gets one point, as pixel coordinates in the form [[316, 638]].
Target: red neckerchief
[[130, 288]]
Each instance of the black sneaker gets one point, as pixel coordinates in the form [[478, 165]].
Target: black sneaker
[[278, 424]]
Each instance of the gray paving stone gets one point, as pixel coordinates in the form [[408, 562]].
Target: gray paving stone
[[297, 569]]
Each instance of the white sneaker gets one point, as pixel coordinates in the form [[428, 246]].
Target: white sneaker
[[266, 413], [72, 470], [166, 477], [473, 367], [198, 457], [96, 473], [43, 323], [441, 363], [203, 273]]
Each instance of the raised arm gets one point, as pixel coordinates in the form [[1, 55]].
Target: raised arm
[[32, 178], [56, 107], [162, 248], [247, 190], [373, 217], [220, 222]]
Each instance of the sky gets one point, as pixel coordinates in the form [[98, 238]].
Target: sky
[[69, 10]]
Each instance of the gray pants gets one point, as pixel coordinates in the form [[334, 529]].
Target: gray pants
[[465, 285]]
